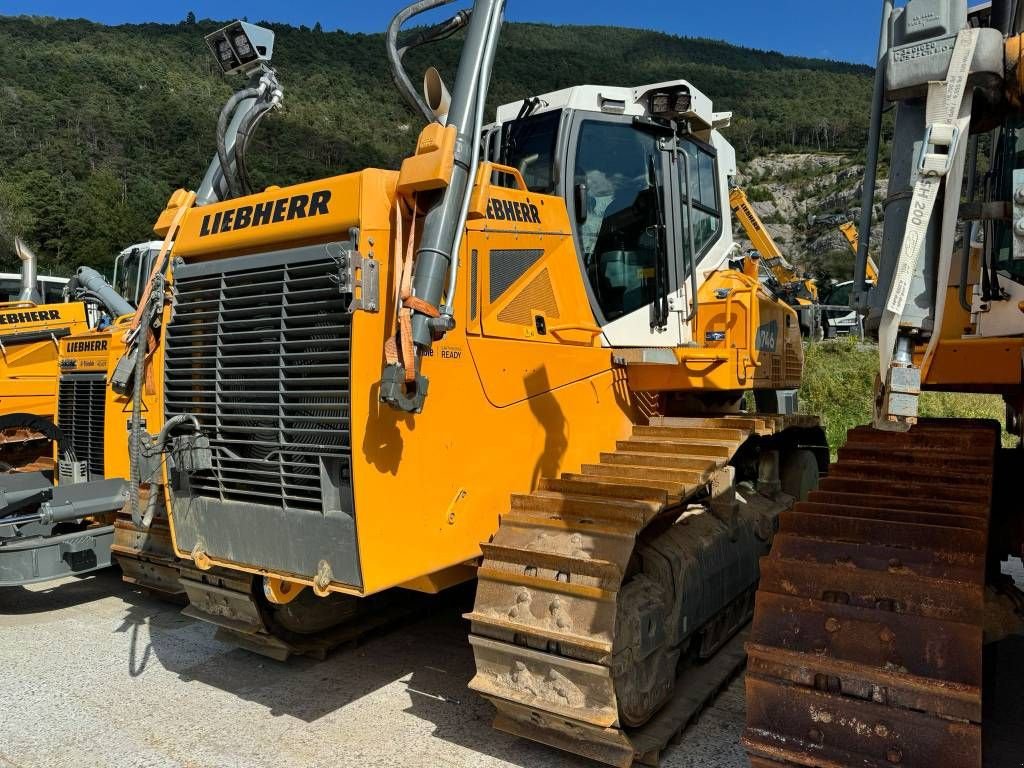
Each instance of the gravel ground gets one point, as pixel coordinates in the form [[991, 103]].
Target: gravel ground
[[95, 674]]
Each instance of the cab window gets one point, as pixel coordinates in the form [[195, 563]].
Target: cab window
[[126, 275], [10, 289], [528, 145], [618, 233], [704, 198], [52, 291]]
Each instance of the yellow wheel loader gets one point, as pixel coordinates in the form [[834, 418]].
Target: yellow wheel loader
[[52, 387], [881, 605], [521, 358]]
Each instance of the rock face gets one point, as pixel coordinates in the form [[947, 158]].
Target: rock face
[[803, 199]]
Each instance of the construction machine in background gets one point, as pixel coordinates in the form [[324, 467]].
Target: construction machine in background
[[53, 386], [883, 596], [766, 262], [30, 326], [521, 358], [838, 317]]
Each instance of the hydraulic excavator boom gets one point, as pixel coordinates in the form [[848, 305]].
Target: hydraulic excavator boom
[[849, 230], [798, 290]]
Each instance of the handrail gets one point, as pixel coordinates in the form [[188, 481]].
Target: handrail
[[488, 167]]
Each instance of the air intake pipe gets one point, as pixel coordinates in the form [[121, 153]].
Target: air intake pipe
[[29, 283], [90, 283]]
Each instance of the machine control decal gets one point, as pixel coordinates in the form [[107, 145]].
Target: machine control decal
[[512, 210], [269, 212], [37, 316], [768, 337]]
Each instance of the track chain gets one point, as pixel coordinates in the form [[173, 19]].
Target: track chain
[[573, 642], [866, 646]]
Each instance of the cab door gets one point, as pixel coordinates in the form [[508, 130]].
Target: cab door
[[620, 186]]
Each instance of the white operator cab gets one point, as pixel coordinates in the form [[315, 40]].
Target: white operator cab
[[621, 159], [132, 267]]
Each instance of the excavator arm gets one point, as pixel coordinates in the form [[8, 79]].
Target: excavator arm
[[787, 278]]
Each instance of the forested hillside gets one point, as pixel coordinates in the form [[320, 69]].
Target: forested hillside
[[99, 124]]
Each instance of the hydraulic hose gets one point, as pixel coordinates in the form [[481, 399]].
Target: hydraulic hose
[[135, 437], [398, 73], [859, 297], [245, 132], [222, 127], [158, 447]]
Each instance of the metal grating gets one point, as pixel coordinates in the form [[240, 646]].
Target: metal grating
[[259, 352], [473, 288], [507, 266], [537, 296], [81, 402]]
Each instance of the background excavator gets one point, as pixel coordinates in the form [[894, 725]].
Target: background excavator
[[882, 600], [521, 358], [767, 263]]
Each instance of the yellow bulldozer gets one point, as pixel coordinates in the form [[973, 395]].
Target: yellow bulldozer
[[883, 600], [33, 317], [521, 358]]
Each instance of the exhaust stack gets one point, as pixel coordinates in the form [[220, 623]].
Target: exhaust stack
[[29, 284], [436, 96]]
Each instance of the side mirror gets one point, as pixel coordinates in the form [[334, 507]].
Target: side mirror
[[580, 200]]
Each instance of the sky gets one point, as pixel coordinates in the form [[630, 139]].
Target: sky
[[846, 30]]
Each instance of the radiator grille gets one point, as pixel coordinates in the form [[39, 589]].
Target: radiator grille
[[80, 414], [259, 352]]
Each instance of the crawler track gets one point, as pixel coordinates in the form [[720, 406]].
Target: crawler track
[[609, 601], [308, 626], [866, 646], [146, 555]]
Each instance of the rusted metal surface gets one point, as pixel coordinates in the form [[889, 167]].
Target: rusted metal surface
[[25, 450], [835, 731], [146, 555], [591, 591], [866, 647]]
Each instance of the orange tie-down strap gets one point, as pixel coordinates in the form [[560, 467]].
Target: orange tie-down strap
[[172, 232], [407, 303]]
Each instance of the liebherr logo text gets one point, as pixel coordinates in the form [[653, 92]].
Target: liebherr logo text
[[13, 318], [269, 212], [509, 210], [87, 346]]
